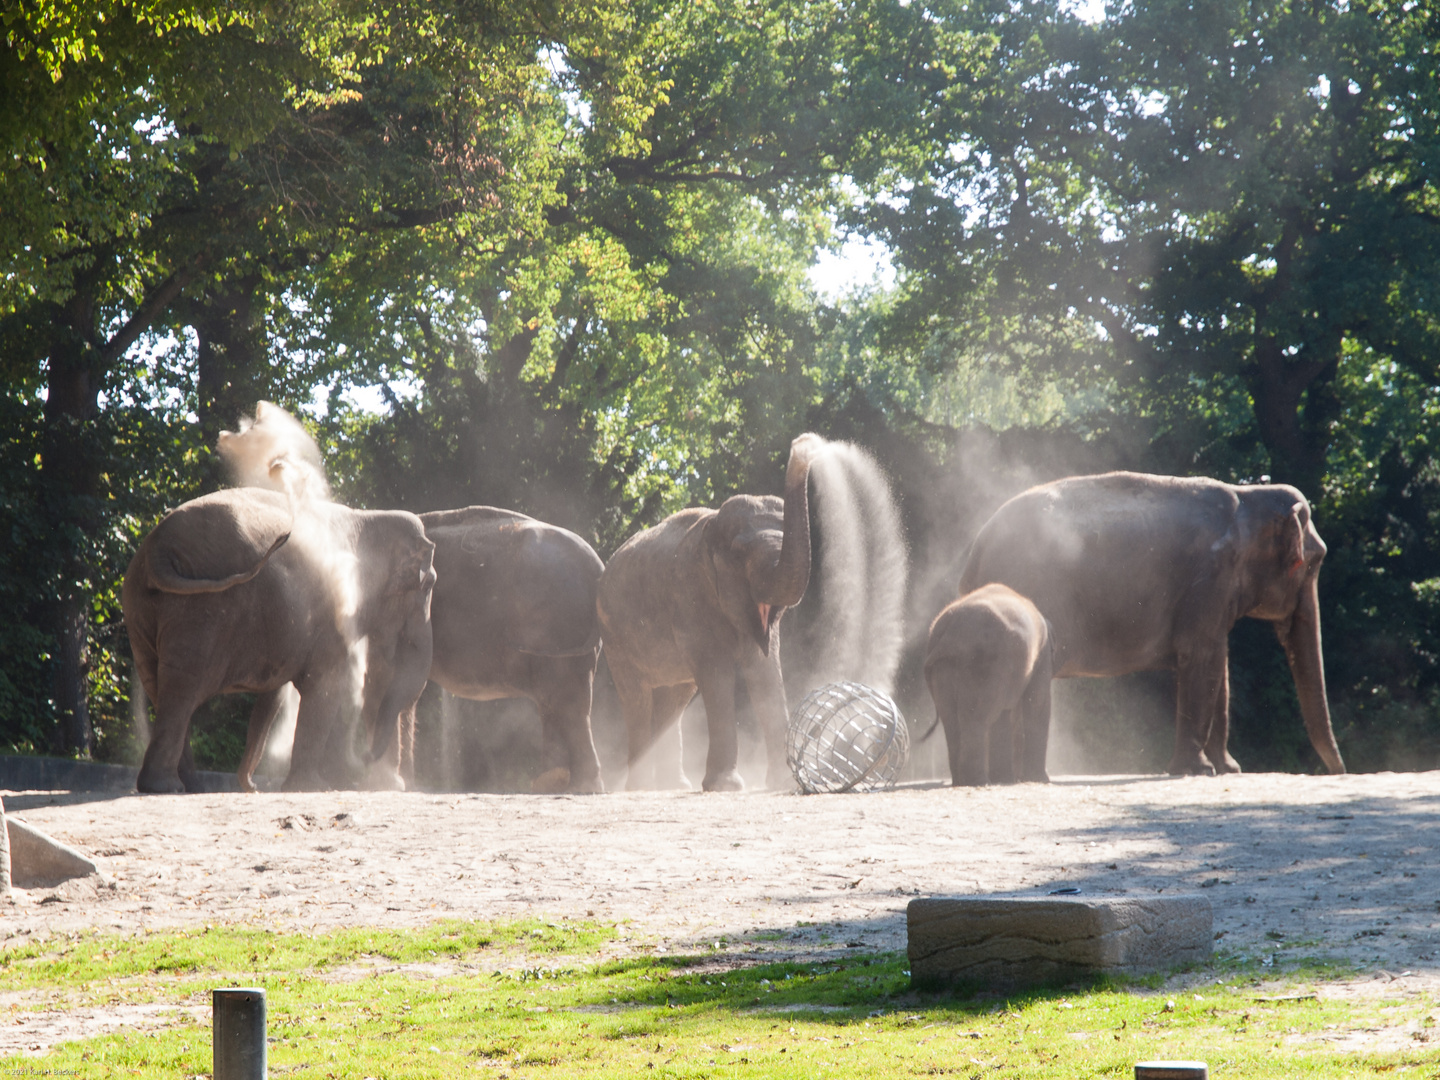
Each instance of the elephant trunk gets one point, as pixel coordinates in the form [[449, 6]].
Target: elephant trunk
[[787, 582], [1300, 637]]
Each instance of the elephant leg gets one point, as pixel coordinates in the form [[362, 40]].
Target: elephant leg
[[969, 747], [170, 739], [1198, 675], [667, 752], [1215, 745], [637, 706], [189, 774], [766, 687], [324, 697], [401, 681], [556, 776], [1004, 735], [717, 687], [565, 716], [262, 717], [406, 747], [967, 744], [1032, 730]]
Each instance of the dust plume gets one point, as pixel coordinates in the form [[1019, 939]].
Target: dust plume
[[273, 450], [864, 567], [276, 759]]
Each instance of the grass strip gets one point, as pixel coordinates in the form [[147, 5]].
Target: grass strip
[[533, 999]]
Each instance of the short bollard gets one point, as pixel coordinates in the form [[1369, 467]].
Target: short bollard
[[238, 1037], [1165, 1070]]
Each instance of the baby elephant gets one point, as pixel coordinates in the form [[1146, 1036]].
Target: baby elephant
[[988, 661]]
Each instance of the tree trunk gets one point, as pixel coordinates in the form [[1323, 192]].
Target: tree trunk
[[1295, 405], [231, 360], [71, 465]]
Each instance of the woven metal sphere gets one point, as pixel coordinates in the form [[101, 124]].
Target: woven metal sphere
[[846, 736]]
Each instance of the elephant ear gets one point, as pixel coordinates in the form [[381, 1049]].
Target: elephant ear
[[736, 550], [1292, 537]]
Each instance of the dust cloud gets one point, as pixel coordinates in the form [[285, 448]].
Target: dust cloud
[[864, 566]]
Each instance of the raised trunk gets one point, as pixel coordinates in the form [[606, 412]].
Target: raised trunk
[[791, 575], [1300, 637]]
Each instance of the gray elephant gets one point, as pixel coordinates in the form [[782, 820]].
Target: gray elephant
[[216, 601], [512, 615], [1137, 572], [685, 605], [989, 661]]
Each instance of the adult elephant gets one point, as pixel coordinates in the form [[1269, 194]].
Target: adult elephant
[[513, 615], [1137, 572], [686, 604], [217, 601]]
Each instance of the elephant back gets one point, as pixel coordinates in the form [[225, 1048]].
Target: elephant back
[[528, 585], [216, 536]]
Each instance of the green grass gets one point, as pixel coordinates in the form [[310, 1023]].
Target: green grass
[[533, 999]]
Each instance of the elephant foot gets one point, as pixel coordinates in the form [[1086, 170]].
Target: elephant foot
[[551, 781], [158, 784], [1191, 764], [1224, 763], [729, 780], [305, 780], [592, 786], [382, 776], [1042, 777]]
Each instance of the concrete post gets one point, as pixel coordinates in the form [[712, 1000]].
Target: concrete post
[[238, 1037], [1170, 1070]]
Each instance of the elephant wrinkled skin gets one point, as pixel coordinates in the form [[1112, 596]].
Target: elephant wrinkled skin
[[686, 604], [215, 602], [988, 662], [1137, 572]]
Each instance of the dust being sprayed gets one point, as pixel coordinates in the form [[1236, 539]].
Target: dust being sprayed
[[864, 569], [272, 450]]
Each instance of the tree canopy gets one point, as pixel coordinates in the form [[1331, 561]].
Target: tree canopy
[[569, 246]]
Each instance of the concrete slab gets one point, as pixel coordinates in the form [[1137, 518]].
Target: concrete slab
[[40, 861], [1011, 942]]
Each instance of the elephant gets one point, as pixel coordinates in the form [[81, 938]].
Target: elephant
[[1137, 572], [686, 604], [224, 596], [514, 616], [989, 660]]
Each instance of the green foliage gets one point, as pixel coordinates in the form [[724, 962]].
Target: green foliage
[[569, 242]]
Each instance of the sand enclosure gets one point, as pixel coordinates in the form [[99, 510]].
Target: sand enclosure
[[1344, 866]]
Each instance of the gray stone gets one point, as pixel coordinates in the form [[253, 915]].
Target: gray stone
[[1008, 942], [38, 861], [4, 855]]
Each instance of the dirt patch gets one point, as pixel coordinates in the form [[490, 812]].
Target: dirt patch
[[1339, 866]]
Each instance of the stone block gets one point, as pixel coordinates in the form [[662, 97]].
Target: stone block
[[1010, 942], [40, 861]]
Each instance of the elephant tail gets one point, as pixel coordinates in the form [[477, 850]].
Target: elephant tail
[[931, 729], [167, 579]]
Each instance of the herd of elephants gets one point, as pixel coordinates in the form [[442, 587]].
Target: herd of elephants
[[270, 584]]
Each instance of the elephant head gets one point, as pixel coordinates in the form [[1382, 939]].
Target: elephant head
[[759, 550], [1283, 571]]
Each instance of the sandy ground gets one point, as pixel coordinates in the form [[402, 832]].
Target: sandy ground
[[1343, 866]]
